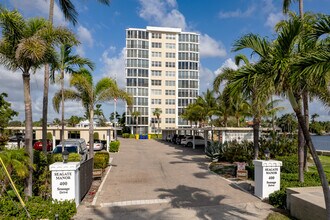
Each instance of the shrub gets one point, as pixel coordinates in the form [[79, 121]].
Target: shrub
[[131, 136], [155, 136], [49, 136], [214, 150], [278, 199], [114, 146], [73, 157], [38, 208], [41, 174], [237, 152], [125, 135], [96, 136], [101, 160], [289, 163], [250, 170]]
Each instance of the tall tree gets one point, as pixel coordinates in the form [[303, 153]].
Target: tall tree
[[25, 46], [6, 113], [70, 14], [90, 95], [68, 63], [135, 115], [157, 112]]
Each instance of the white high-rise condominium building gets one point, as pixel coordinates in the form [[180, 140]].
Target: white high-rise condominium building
[[162, 71]]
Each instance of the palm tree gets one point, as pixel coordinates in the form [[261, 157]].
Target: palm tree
[[74, 120], [67, 63], [70, 14], [314, 116], [98, 112], [135, 115], [90, 95], [25, 46], [157, 113]]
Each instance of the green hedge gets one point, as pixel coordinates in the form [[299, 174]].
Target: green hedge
[[114, 146], [73, 157], [125, 135], [132, 136], [38, 208], [101, 160]]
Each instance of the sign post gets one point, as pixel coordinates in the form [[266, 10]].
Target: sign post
[[65, 181], [267, 177]]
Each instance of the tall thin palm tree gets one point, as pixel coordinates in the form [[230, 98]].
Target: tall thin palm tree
[[68, 63], [135, 115], [70, 14], [157, 112], [90, 95], [25, 46]]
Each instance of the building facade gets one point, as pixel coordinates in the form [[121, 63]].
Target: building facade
[[162, 71]]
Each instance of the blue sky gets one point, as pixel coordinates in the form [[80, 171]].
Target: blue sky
[[101, 30]]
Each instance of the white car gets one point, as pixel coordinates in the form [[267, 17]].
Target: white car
[[98, 145], [188, 141]]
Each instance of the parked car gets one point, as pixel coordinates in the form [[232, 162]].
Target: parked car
[[74, 146], [38, 145], [179, 138], [199, 140], [98, 145]]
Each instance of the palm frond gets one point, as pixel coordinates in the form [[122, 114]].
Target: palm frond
[[69, 11], [254, 42]]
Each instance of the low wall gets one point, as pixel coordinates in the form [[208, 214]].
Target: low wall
[[323, 152]]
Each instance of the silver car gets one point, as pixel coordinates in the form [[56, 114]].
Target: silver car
[[74, 146], [98, 145]]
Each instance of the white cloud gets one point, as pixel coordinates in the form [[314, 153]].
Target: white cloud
[[210, 47], [206, 78], [39, 8], [85, 36], [229, 63], [162, 13], [274, 18], [114, 67], [12, 84], [237, 13]]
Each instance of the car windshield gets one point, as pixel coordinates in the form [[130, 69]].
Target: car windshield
[[70, 149]]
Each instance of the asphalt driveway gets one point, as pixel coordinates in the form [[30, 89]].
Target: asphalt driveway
[[156, 180]]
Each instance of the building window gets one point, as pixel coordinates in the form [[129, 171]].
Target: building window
[[170, 36], [170, 64], [156, 35], [169, 83], [170, 73], [170, 120], [170, 55], [169, 92], [156, 92], [142, 92], [170, 46], [156, 73], [170, 101], [156, 63], [156, 82], [170, 111], [156, 54], [156, 101], [156, 45]]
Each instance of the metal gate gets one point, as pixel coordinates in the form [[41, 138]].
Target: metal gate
[[85, 177]]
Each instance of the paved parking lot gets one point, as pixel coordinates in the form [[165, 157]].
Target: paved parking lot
[[157, 180]]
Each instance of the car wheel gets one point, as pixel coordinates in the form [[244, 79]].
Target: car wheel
[[189, 144]]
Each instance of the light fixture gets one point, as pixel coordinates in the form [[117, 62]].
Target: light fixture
[[65, 155], [267, 153]]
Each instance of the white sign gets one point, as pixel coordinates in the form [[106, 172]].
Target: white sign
[[65, 181], [267, 177]]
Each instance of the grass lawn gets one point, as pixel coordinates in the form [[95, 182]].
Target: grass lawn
[[325, 160]]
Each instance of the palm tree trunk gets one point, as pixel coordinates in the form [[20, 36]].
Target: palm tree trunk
[[91, 131], [28, 130], [45, 109], [62, 108], [256, 128], [316, 159], [306, 115], [301, 144], [158, 127]]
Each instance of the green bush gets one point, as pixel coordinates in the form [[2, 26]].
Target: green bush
[[237, 152], [132, 136], [73, 157], [125, 135], [250, 170], [114, 146], [101, 160], [278, 199], [38, 208], [49, 136], [289, 163], [96, 136], [41, 174]]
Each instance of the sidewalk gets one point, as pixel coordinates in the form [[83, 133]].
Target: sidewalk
[[156, 180]]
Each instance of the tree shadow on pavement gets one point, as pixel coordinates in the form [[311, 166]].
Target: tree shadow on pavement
[[207, 206]]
